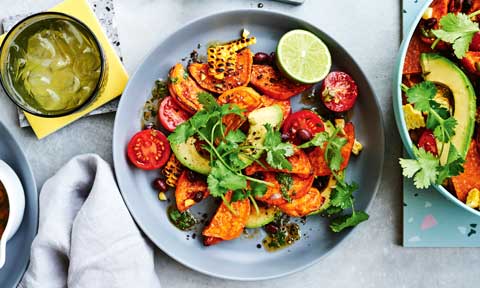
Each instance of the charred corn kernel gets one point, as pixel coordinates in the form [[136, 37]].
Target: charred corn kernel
[[203, 76], [357, 147], [428, 13], [162, 196], [189, 202], [172, 171], [413, 118], [223, 58], [473, 198], [340, 123], [245, 33]]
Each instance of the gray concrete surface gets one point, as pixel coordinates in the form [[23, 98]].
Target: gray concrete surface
[[370, 30]]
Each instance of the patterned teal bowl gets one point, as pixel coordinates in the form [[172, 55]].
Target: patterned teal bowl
[[397, 107]]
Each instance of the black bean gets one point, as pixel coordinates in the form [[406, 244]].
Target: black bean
[[304, 135], [261, 58], [258, 175], [285, 137], [198, 196], [430, 23], [192, 176], [160, 184], [271, 228], [467, 4]]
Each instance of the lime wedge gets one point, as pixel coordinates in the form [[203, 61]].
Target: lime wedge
[[303, 57]]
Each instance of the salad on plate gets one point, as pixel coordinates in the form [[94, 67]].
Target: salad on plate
[[223, 127], [440, 107]]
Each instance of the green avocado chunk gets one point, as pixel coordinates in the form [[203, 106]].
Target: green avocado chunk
[[188, 155], [440, 70], [257, 119], [265, 215]]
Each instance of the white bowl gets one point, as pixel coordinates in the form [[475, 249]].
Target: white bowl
[[16, 201]]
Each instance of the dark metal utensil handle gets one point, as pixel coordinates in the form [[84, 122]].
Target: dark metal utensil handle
[[294, 2]]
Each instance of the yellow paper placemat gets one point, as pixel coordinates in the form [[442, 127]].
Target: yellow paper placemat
[[117, 75]]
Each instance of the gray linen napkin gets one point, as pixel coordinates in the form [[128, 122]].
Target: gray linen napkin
[[86, 236]]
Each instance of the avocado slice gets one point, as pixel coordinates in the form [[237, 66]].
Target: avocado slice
[[188, 155], [439, 69], [265, 215], [257, 119]]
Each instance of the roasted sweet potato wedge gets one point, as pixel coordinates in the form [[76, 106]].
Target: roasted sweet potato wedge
[[317, 155], [240, 77], [246, 98], [470, 178], [415, 48], [184, 89], [225, 225], [284, 104], [471, 61], [274, 196], [271, 83], [186, 192], [300, 165], [305, 205]]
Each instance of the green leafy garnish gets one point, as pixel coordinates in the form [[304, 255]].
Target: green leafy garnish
[[342, 195], [345, 221], [438, 119], [277, 151], [423, 169], [457, 29], [225, 148], [286, 181]]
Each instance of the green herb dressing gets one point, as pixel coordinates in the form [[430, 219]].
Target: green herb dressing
[[54, 65]]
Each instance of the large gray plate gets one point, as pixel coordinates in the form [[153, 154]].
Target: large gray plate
[[18, 248], [239, 259]]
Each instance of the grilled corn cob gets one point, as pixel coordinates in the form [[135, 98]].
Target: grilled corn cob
[[172, 171]]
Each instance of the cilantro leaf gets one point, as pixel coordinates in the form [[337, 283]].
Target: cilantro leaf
[[342, 222], [258, 189], [181, 133], [458, 30], [424, 169], [221, 179], [445, 130], [421, 94], [235, 136], [453, 167], [277, 152], [208, 102], [342, 195], [318, 140]]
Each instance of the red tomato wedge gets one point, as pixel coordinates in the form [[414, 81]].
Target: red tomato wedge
[[271, 83], [317, 155], [170, 114], [427, 141], [304, 119], [148, 149], [339, 92]]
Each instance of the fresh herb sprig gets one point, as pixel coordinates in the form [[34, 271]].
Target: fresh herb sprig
[[342, 195], [457, 29], [439, 119], [225, 157]]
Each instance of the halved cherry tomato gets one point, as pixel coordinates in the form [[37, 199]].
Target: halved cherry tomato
[[148, 149], [170, 114], [304, 119], [339, 91], [427, 141]]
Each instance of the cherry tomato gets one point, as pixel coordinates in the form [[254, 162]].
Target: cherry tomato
[[339, 92], [170, 114], [302, 120], [475, 44], [427, 141], [148, 149]]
